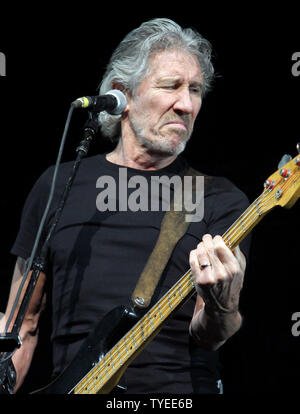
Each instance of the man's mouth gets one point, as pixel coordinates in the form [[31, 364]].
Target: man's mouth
[[178, 124]]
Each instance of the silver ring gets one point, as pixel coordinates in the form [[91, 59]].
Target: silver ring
[[203, 266]]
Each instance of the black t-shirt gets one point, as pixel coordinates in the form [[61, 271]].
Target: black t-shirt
[[95, 258]]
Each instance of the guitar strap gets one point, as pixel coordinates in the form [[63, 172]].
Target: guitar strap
[[174, 226]]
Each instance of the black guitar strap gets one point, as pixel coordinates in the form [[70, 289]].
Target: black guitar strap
[[174, 226]]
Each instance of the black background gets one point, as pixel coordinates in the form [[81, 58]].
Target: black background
[[250, 119]]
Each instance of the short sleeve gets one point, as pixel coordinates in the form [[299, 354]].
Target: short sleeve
[[32, 214]]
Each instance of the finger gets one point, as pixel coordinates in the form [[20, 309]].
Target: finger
[[239, 255], [202, 256], [200, 276], [227, 256], [221, 250], [210, 248], [224, 263]]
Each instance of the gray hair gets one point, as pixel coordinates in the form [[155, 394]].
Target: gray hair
[[128, 65]]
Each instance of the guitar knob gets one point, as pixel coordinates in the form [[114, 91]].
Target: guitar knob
[[269, 184], [285, 173]]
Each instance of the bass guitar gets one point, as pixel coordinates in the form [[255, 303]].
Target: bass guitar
[[122, 334]]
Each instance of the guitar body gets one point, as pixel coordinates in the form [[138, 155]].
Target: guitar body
[[107, 332]]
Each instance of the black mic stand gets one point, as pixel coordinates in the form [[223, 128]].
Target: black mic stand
[[9, 342]]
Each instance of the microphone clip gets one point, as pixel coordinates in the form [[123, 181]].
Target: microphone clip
[[89, 131]]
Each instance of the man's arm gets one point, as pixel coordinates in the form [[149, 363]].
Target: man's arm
[[216, 315], [29, 330]]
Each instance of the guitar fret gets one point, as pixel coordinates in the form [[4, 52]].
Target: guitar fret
[[142, 332], [191, 279], [100, 379], [154, 319], [243, 225], [133, 340], [180, 291], [112, 363], [106, 371], [257, 208], [228, 239], [92, 388], [86, 388], [151, 324], [126, 346], [119, 355], [170, 305], [160, 315]]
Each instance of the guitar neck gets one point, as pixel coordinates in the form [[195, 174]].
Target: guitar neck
[[132, 343], [246, 222]]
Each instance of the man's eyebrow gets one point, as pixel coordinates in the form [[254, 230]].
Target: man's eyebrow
[[169, 78], [197, 83]]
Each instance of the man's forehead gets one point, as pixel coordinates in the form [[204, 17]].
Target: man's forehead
[[175, 63]]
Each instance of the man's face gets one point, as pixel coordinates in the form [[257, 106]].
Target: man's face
[[164, 108]]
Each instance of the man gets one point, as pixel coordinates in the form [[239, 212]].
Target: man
[[96, 256]]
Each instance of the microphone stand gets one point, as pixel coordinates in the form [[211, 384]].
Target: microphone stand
[[12, 340]]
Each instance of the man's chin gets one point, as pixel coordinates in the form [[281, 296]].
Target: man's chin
[[164, 148]]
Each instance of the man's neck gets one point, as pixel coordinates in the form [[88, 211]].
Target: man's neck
[[128, 154]]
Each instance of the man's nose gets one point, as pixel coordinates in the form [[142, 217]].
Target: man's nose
[[183, 102]]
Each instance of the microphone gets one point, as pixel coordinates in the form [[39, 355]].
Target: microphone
[[114, 102]]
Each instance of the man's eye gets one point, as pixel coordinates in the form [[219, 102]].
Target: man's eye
[[170, 87], [196, 90]]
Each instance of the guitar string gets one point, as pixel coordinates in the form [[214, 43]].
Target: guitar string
[[123, 351], [165, 304]]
